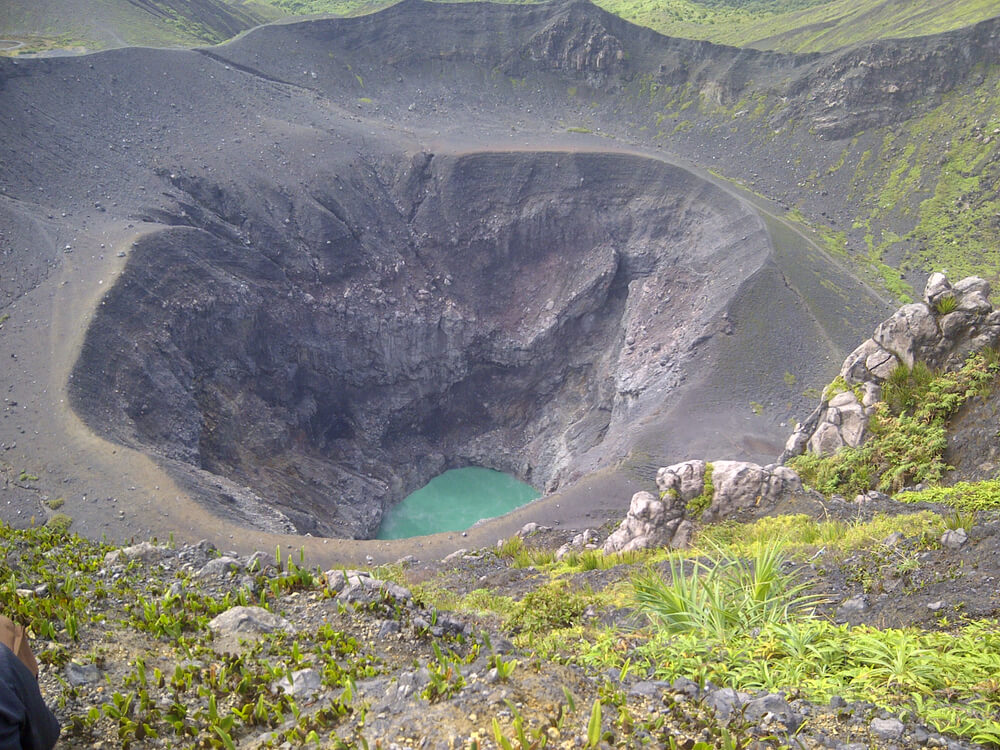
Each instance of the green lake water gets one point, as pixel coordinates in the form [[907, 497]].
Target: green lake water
[[455, 500]]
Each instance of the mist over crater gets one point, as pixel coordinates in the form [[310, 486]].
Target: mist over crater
[[361, 334]]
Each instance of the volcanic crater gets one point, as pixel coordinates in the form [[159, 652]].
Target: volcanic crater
[[327, 298]]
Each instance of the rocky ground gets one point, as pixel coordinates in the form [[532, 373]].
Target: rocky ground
[[154, 645]]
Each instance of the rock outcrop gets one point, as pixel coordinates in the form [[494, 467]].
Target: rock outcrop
[[952, 321], [697, 490]]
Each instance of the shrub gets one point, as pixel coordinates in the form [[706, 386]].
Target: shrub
[[59, 523], [724, 598], [946, 305], [546, 608], [908, 431], [968, 496]]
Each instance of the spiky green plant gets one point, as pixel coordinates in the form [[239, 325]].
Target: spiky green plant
[[724, 598]]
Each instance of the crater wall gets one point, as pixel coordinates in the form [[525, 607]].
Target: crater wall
[[332, 348]]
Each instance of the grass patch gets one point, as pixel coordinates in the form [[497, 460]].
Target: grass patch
[[550, 607], [966, 496], [800, 533], [727, 598], [748, 625], [698, 505]]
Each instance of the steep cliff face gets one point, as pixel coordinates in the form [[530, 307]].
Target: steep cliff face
[[334, 348]]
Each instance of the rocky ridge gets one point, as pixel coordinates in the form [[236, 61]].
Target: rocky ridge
[[940, 332]]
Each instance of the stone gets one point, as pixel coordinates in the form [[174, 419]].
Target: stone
[[866, 362], [81, 674], [647, 524], [954, 538], [776, 708], [144, 551], [886, 729], [826, 440], [937, 287], [737, 484], [725, 702], [387, 628], [852, 607], [975, 284], [844, 398], [741, 485], [532, 528], [247, 621], [853, 424], [894, 539], [686, 686], [974, 302], [684, 481], [683, 535], [907, 332], [955, 323], [220, 566], [648, 688], [302, 684], [260, 561], [456, 555], [871, 395]]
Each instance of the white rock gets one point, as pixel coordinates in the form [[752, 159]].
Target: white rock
[[249, 621]]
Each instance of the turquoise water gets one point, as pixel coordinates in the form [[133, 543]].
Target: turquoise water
[[455, 500]]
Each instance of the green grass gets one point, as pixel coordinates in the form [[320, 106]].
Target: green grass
[[800, 535], [799, 25], [965, 496], [726, 598], [745, 624]]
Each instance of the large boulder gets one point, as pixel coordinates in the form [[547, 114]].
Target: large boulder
[[650, 522], [941, 331], [741, 485], [664, 521]]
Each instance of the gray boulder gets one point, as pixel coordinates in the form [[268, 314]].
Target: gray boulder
[[143, 551], [303, 684], [660, 521], [650, 522], [741, 485], [247, 621]]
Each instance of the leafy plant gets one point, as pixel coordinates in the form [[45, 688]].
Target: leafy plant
[[967, 496], [908, 432], [946, 305], [547, 607], [698, 505], [724, 598]]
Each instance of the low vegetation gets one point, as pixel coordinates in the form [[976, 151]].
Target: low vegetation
[[908, 431]]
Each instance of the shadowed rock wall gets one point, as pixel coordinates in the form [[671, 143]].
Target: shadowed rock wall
[[334, 348]]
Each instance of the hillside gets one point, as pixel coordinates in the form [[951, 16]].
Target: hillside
[[789, 26], [801, 25], [53, 25]]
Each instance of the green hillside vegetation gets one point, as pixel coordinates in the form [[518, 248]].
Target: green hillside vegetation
[[95, 24], [792, 25], [800, 25], [734, 610]]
